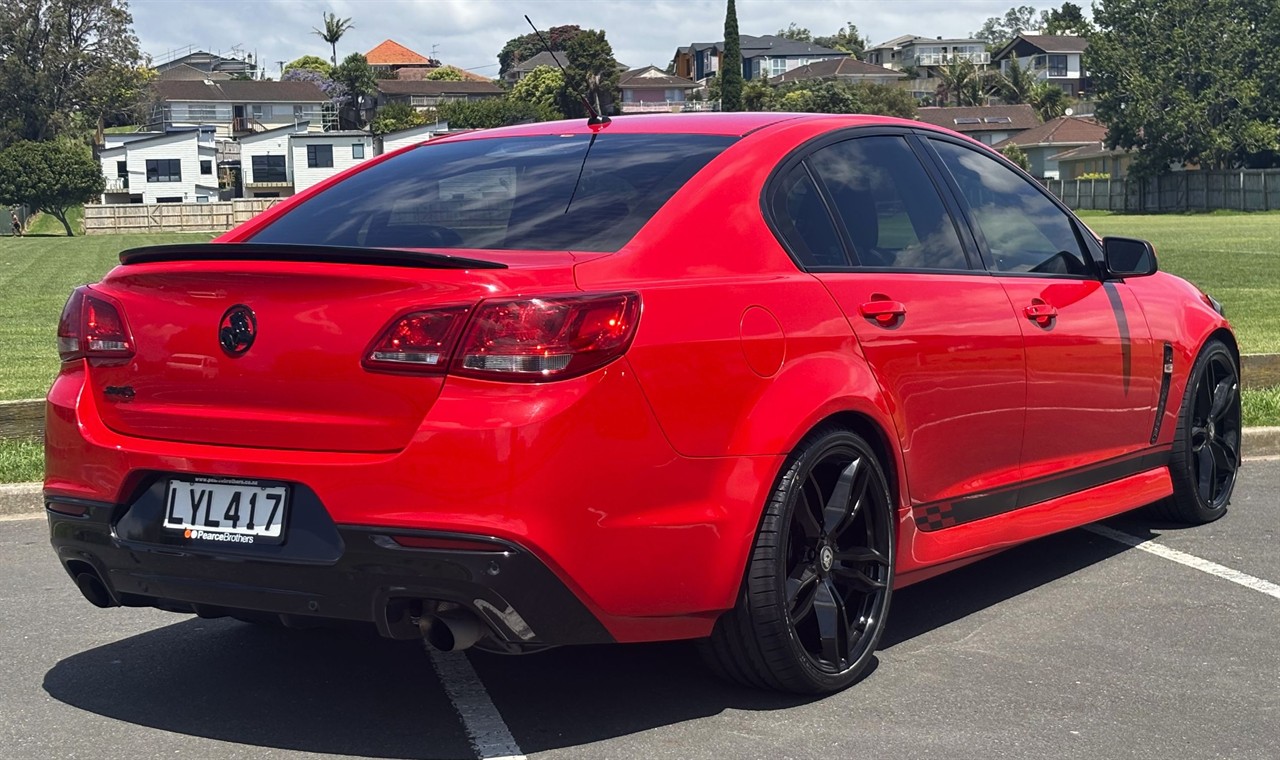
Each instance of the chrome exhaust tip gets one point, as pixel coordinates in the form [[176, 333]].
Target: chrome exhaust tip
[[452, 631]]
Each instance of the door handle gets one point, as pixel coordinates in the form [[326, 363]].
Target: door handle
[[1040, 312], [884, 312]]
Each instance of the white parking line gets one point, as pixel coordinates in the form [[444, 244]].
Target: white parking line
[[489, 735], [1190, 560]]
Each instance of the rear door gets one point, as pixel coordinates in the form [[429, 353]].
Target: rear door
[[1092, 369], [939, 332]]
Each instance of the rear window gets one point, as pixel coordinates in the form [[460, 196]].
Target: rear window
[[519, 193]]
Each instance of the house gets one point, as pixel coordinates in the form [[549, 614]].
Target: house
[[925, 57], [1054, 58], [403, 138], [1043, 143], [200, 64], [650, 89], [1094, 158], [762, 57], [266, 162], [986, 124], [520, 70], [178, 166], [316, 156], [842, 70], [237, 107], [393, 56], [427, 93]]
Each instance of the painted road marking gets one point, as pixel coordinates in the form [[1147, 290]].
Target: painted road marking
[[16, 518], [489, 735], [1190, 560]]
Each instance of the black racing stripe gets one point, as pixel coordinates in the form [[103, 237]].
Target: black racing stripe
[[1122, 323], [948, 514]]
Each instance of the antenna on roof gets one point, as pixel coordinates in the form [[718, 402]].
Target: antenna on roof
[[596, 118]]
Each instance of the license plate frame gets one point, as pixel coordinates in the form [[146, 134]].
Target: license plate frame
[[200, 508]]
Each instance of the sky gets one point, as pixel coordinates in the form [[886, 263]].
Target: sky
[[469, 33]]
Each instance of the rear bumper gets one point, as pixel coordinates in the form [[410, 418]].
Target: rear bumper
[[322, 572]]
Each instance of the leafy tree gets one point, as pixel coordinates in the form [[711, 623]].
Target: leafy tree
[[1188, 81], [490, 112], [885, 100], [543, 87], [1016, 155], [797, 33], [1049, 100], [334, 28], [394, 117], [999, 30], [65, 65], [833, 96], [1069, 19], [312, 62], [326, 85], [356, 78], [590, 72], [962, 81], [846, 39], [526, 46], [49, 176], [1016, 84], [758, 95], [730, 75], [446, 74]]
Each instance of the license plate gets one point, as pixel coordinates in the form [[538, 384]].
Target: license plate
[[229, 511]]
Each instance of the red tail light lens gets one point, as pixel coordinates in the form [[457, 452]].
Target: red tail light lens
[[417, 342], [551, 338], [92, 326]]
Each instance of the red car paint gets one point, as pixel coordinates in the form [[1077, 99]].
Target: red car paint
[[641, 484]]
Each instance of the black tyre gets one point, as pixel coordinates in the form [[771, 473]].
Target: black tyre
[[1206, 444], [819, 578]]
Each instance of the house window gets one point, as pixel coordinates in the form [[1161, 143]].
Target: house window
[[319, 156], [122, 169], [777, 66], [419, 100], [257, 111], [298, 112], [1057, 65], [164, 170], [202, 199], [675, 95], [201, 112], [269, 169], [171, 199], [206, 166], [357, 150]]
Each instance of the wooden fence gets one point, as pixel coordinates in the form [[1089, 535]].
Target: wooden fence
[[1242, 190], [172, 217]]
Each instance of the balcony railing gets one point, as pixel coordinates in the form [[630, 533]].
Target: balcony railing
[[669, 106], [942, 59], [117, 185]]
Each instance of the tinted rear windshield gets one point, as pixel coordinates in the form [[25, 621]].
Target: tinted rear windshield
[[520, 193]]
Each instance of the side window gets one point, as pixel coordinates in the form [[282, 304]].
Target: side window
[[1025, 231], [803, 222], [891, 209]]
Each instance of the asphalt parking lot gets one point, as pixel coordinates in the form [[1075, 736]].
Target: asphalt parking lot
[[1078, 645]]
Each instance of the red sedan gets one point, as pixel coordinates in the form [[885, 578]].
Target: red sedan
[[723, 377]]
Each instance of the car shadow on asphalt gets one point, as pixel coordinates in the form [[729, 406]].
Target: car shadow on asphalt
[[352, 693]]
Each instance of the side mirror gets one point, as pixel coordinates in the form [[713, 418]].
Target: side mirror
[[1128, 257]]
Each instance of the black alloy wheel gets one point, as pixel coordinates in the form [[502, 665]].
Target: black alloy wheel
[[820, 577], [1206, 447]]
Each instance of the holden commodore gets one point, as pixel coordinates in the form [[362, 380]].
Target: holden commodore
[[726, 377]]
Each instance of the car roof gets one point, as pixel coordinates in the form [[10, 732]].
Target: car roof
[[715, 123]]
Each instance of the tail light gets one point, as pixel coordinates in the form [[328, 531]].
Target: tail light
[[524, 340], [92, 326]]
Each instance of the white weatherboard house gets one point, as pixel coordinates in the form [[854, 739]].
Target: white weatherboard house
[[266, 163], [176, 167], [319, 155], [412, 136]]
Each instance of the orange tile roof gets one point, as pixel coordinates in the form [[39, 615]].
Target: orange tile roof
[[392, 53]]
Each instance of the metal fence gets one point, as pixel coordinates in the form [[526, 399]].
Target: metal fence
[[172, 217], [1241, 190]]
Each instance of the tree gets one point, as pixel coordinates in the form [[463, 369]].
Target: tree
[[1188, 81], [833, 96], [542, 88], [489, 113], [846, 39], [796, 33], [1015, 84], [357, 80], [1049, 100], [312, 62], [65, 65], [526, 46], [730, 75], [758, 95], [49, 176], [962, 81], [590, 72], [999, 30], [334, 28], [394, 117], [1069, 19], [1016, 155], [446, 74]]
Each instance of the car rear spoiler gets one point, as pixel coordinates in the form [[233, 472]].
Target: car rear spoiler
[[391, 257]]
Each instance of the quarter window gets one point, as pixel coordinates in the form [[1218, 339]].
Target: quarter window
[[889, 206], [319, 156], [803, 222], [1024, 230]]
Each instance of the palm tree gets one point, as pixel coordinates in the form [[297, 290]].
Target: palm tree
[[334, 28], [963, 81], [1015, 84], [1049, 100]]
